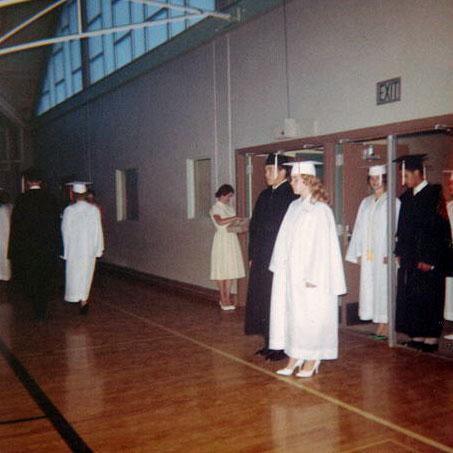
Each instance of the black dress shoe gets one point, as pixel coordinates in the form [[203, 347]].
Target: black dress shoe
[[84, 309], [263, 351], [275, 356], [429, 347], [414, 344]]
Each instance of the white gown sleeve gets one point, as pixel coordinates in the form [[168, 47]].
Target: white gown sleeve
[[279, 254], [65, 233], [355, 246], [99, 235]]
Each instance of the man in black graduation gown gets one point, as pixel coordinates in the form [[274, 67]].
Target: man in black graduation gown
[[268, 214], [422, 239], [35, 242]]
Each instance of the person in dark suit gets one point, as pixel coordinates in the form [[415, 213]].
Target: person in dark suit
[[267, 216], [35, 242], [423, 236]]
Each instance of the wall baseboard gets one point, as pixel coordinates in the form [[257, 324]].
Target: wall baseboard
[[169, 285]]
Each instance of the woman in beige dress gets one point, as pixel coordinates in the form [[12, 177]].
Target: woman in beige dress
[[226, 257]]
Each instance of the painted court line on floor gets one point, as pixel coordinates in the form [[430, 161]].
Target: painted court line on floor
[[59, 422], [294, 383], [22, 420], [381, 442]]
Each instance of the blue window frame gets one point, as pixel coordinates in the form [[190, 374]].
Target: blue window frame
[[109, 52]]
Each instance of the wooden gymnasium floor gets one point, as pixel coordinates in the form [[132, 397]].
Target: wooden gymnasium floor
[[150, 371]]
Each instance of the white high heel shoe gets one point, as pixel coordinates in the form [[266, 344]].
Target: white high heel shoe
[[290, 371], [227, 307], [309, 373]]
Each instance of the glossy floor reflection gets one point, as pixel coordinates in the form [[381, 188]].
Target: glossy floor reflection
[[147, 370]]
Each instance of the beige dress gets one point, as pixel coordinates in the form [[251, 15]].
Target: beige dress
[[226, 256]]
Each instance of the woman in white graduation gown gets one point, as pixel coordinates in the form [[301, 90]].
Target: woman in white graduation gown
[[5, 223], [448, 310], [226, 258], [368, 247], [83, 242], [308, 278]]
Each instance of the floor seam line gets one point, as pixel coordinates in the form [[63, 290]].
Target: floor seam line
[[335, 401]]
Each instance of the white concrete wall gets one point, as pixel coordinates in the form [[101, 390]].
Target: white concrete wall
[[232, 93], [338, 50]]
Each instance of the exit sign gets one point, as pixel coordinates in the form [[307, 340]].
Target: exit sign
[[388, 91]]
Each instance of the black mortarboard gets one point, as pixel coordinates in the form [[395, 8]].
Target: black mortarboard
[[33, 174], [281, 159], [411, 162], [278, 160]]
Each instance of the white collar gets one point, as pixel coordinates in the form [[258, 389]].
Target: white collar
[[307, 203], [382, 197], [34, 187], [420, 187], [279, 184]]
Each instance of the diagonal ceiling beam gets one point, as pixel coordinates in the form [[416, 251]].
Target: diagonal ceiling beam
[[90, 34], [11, 2], [186, 9], [189, 13], [29, 21]]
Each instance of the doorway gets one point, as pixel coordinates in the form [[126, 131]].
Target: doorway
[[251, 182], [428, 135], [352, 187]]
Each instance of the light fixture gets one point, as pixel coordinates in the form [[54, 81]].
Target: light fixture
[[368, 153]]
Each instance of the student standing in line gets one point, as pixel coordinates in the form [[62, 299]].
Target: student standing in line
[[83, 242], [368, 247], [308, 278], [226, 258], [35, 241], [270, 208], [423, 236]]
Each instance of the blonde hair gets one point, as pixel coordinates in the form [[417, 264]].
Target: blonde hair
[[318, 192]]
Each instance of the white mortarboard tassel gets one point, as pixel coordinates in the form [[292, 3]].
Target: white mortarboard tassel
[[377, 170], [276, 164], [304, 168], [403, 176]]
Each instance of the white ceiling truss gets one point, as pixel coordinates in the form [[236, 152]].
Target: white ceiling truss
[[189, 13]]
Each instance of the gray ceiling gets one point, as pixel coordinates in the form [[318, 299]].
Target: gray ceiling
[[20, 72]]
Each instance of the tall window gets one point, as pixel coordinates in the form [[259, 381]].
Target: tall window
[[198, 188], [127, 195], [63, 75], [107, 53]]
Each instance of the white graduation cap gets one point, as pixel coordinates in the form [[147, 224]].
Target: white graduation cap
[[78, 186], [307, 167], [377, 170]]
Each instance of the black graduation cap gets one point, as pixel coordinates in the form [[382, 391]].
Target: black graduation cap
[[277, 158], [33, 174], [411, 162]]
